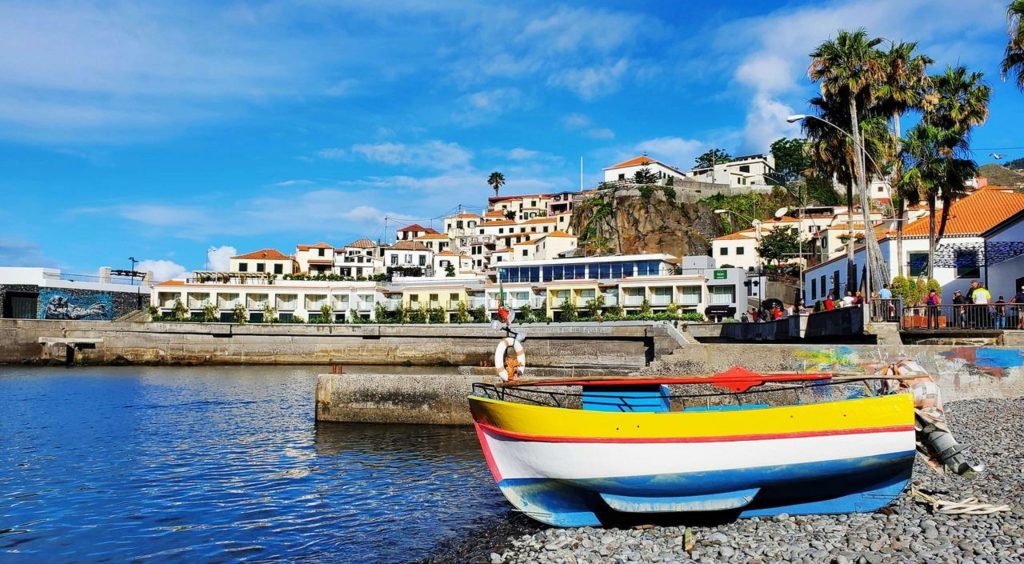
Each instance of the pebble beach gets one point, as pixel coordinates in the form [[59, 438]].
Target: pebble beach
[[906, 530]]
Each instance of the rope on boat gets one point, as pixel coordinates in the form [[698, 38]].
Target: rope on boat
[[966, 506]]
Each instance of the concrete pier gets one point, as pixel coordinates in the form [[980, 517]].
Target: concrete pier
[[963, 372]]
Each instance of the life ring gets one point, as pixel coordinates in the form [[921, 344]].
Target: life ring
[[499, 359]]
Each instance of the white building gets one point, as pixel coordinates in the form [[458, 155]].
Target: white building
[[315, 259], [359, 259], [409, 255], [520, 207], [626, 170], [984, 241], [285, 299], [410, 232], [462, 265], [270, 261], [436, 242], [746, 171]]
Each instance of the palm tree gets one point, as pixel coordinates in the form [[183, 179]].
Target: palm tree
[[496, 180], [1013, 61], [935, 168], [957, 101], [902, 88], [847, 68]]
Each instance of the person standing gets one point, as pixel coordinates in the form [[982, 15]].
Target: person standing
[[829, 304], [981, 297], [885, 293], [1018, 300], [961, 311], [1000, 314], [932, 303]]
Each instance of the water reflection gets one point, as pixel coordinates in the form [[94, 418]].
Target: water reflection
[[215, 463]]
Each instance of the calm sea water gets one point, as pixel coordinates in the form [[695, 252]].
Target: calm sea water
[[221, 464]]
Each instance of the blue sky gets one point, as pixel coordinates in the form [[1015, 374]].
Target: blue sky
[[164, 130]]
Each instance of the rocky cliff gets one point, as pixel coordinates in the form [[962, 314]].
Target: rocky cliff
[[644, 219]]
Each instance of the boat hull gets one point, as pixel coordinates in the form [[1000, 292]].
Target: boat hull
[[573, 468]]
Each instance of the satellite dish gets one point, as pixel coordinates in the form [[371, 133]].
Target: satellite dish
[[779, 213], [495, 325]]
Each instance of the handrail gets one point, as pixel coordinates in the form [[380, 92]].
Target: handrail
[[963, 317]]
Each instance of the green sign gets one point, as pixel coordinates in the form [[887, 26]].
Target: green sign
[[721, 274]]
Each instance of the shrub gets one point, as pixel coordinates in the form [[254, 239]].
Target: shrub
[[692, 316], [480, 315], [179, 311], [672, 310], [594, 306], [462, 314], [645, 307], [269, 313], [241, 315], [614, 311], [525, 314], [326, 313], [154, 312], [438, 315], [210, 313], [569, 311]]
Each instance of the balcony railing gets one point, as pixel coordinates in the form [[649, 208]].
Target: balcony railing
[[657, 300], [963, 317], [886, 310], [632, 300]]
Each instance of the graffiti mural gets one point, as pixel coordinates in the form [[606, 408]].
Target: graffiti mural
[[75, 304]]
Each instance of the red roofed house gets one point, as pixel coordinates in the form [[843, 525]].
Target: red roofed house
[[315, 259], [270, 261], [626, 170], [410, 232], [983, 241]]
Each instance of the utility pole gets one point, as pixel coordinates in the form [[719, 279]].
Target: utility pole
[[581, 173]]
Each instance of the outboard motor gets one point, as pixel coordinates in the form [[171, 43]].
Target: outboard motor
[[934, 439]]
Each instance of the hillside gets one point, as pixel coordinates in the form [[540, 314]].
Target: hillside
[[645, 219], [1001, 175]]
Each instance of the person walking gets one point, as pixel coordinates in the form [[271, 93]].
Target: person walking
[[961, 312]]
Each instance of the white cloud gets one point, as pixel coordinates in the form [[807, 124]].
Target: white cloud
[[487, 105], [219, 258], [674, 151], [592, 82], [435, 154], [162, 269], [772, 61], [20, 252], [332, 153], [585, 124]]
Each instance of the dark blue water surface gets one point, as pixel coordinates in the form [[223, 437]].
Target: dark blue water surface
[[221, 464]]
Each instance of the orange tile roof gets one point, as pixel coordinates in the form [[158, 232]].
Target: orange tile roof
[[467, 215], [528, 242], [541, 220], [635, 161], [172, 283], [745, 234], [976, 214], [499, 222], [495, 213], [316, 246], [361, 244], [560, 233], [268, 254], [451, 254], [409, 246], [432, 236]]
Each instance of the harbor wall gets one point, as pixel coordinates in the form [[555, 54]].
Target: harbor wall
[[622, 346], [963, 372]]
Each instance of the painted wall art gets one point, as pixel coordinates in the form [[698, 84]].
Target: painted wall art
[[62, 304]]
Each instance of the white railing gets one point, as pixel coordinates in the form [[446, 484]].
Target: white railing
[[657, 300], [255, 304], [689, 299], [364, 305], [632, 300], [228, 303], [286, 305], [475, 303], [611, 300], [392, 304]]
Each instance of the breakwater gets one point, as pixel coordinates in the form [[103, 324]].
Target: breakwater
[[963, 372], [623, 346]]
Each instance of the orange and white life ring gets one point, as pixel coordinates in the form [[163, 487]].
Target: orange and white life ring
[[499, 358]]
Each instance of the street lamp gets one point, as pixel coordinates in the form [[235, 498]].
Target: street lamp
[[868, 231]]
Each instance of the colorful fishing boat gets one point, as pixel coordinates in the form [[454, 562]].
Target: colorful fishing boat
[[576, 458]]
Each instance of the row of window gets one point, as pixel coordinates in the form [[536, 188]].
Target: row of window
[[599, 271], [260, 267], [725, 251]]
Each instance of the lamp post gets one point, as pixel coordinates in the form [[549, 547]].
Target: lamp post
[[868, 231]]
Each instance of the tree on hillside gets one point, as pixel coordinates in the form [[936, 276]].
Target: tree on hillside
[[1013, 61], [644, 176], [792, 160], [496, 180], [712, 157], [778, 245]]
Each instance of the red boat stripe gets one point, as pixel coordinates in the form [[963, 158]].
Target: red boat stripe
[[722, 439], [487, 452]]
